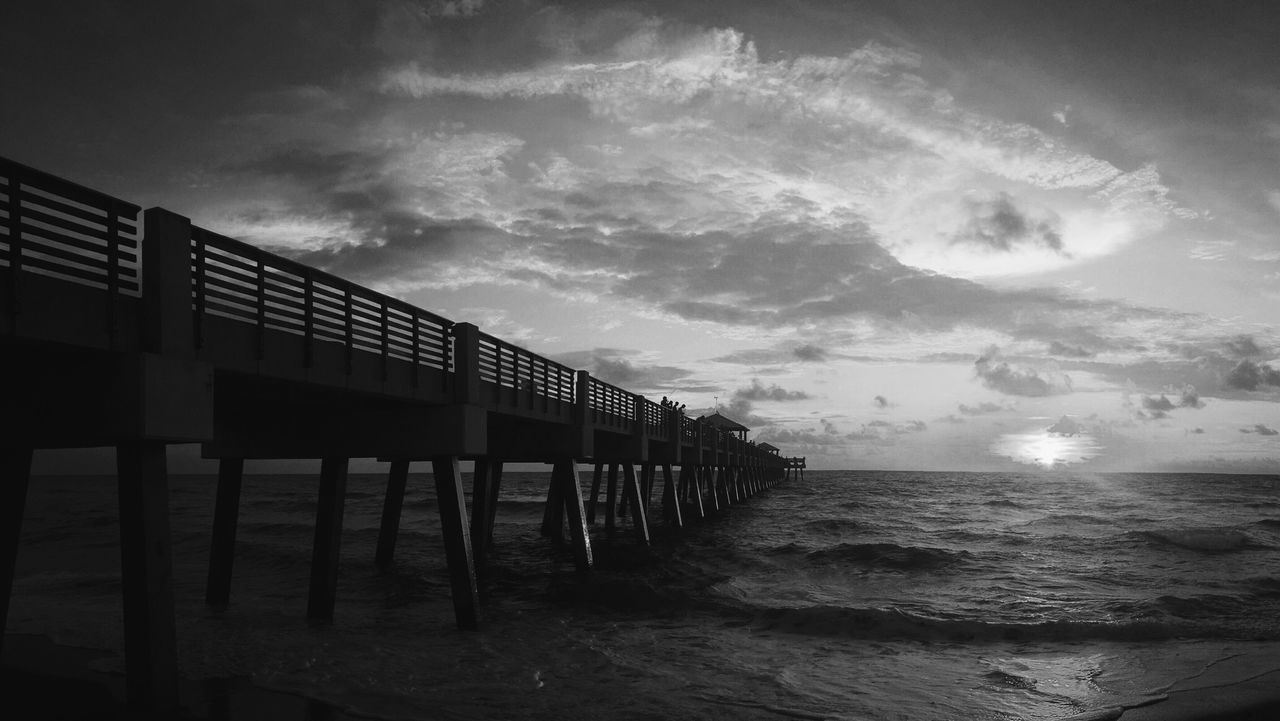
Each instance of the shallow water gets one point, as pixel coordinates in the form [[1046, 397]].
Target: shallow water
[[850, 595]]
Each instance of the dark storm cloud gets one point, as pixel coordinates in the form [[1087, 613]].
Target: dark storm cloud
[[880, 402], [1160, 404], [1000, 376], [1248, 375], [1261, 430], [998, 224], [757, 391]]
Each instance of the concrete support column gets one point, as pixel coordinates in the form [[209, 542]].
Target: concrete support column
[[15, 478], [392, 507], [671, 499], [226, 514], [167, 326], [485, 484], [151, 675], [466, 360], [638, 516], [326, 549], [565, 474], [457, 541]]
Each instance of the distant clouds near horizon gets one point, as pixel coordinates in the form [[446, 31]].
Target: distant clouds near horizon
[[887, 235]]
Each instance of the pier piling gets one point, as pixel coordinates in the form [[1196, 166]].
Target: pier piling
[[392, 507], [147, 574], [326, 548], [222, 549], [15, 478], [457, 541]]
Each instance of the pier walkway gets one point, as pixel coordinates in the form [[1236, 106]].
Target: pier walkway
[[139, 332]]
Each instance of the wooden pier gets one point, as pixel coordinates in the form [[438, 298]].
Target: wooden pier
[[116, 332]]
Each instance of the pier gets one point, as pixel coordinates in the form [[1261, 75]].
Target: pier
[[137, 330]]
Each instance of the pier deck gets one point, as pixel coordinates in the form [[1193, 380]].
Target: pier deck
[[137, 333]]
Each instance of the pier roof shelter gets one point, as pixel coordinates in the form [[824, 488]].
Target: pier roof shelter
[[769, 447], [727, 424]]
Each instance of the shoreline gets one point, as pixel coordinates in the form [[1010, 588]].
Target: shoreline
[[54, 681], [37, 673]]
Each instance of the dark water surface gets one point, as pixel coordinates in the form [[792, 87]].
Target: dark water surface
[[850, 595]]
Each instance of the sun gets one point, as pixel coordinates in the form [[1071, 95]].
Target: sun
[[1046, 450]]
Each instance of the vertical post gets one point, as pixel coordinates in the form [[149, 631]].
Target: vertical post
[[637, 509], [261, 281], [414, 352], [384, 334], [392, 507], [457, 540], [113, 269], [167, 326], [308, 317], [565, 473], [14, 290], [15, 478], [349, 326], [466, 355], [198, 261], [150, 652], [595, 492], [611, 499], [670, 500], [325, 550], [226, 514]]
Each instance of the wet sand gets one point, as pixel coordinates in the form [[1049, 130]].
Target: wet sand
[[59, 682]]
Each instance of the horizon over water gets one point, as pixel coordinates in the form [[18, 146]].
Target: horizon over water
[[850, 595]]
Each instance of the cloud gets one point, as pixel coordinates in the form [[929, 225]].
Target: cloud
[[1002, 377], [1061, 349], [809, 353], [619, 367], [880, 402], [1243, 346], [983, 408], [758, 392], [1160, 404], [1248, 375], [997, 224], [1261, 430], [1065, 426]]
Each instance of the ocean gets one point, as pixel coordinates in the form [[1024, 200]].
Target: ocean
[[848, 595]]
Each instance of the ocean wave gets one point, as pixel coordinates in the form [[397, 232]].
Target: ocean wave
[[887, 555], [881, 624], [833, 526], [1003, 503], [1206, 540], [1268, 523]]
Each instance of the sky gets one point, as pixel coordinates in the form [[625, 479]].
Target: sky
[[883, 235]]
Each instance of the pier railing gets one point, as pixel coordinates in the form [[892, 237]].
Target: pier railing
[[255, 311]]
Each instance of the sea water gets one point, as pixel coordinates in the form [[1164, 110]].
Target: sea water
[[848, 595]]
